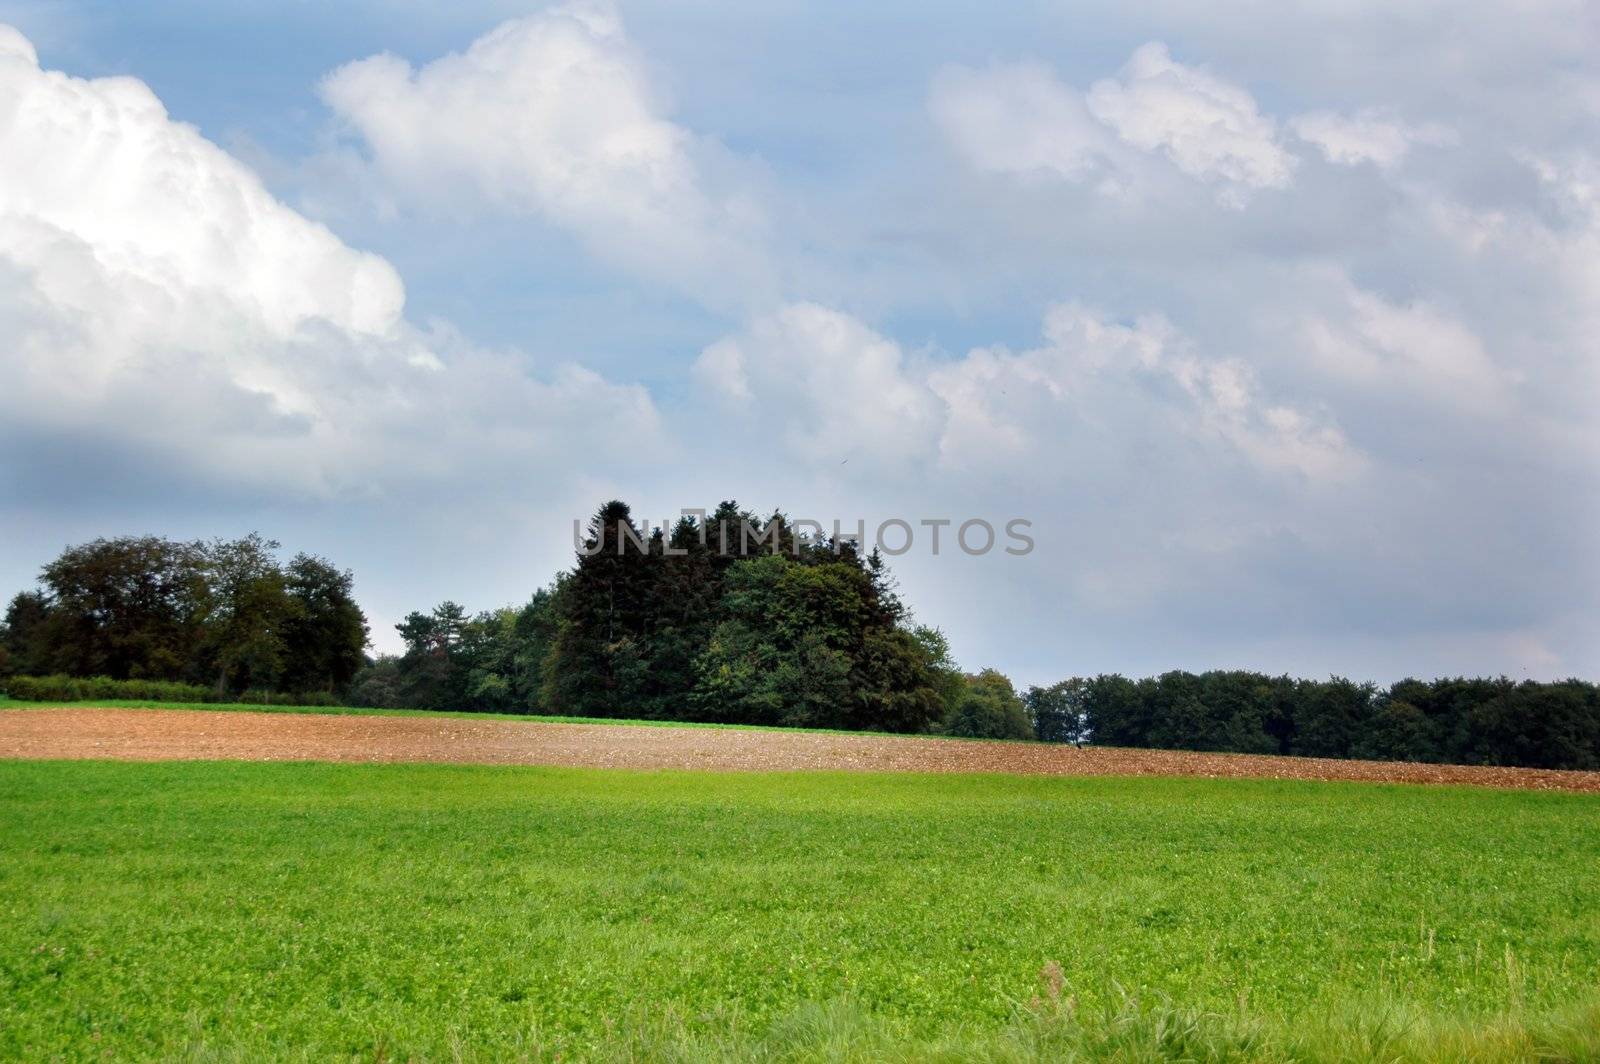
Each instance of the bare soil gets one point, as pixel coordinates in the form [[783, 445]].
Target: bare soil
[[172, 735]]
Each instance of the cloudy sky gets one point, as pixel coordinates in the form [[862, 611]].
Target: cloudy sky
[[1283, 328]]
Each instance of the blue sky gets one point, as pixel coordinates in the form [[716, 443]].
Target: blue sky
[[1279, 325]]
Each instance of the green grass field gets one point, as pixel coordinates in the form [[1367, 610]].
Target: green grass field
[[393, 912]]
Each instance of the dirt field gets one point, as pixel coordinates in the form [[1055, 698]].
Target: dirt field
[[166, 735]]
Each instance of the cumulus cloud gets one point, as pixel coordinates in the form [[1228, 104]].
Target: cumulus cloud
[[155, 295], [1021, 119], [1093, 382], [827, 384], [1372, 135], [99, 164], [553, 115], [1209, 127]]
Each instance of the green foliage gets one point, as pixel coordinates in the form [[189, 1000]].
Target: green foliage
[[805, 644], [61, 688], [1058, 711], [488, 663], [900, 684], [989, 709], [1456, 721], [434, 912], [224, 614], [377, 685], [949, 682], [432, 673], [735, 620], [129, 608], [745, 678], [325, 632], [23, 634], [603, 615], [247, 612]]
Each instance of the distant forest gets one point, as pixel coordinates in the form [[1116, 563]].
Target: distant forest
[[703, 623]]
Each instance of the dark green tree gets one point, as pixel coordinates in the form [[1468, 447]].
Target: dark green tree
[[23, 635], [247, 614], [1058, 711], [596, 665], [946, 676], [1544, 725], [1331, 716], [990, 709], [325, 632], [1396, 731], [132, 607], [430, 675], [1117, 711], [532, 634]]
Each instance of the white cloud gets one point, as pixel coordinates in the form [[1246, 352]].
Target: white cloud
[[553, 115], [1367, 136], [15, 47], [99, 162], [1412, 345], [825, 384], [155, 295], [1020, 119], [1528, 287], [1209, 128], [1094, 382]]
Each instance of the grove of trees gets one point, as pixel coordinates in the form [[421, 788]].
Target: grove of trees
[[709, 623], [226, 614]]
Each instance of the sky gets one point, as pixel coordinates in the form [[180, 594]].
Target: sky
[[1280, 324]]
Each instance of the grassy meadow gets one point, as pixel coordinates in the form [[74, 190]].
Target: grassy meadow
[[232, 911]]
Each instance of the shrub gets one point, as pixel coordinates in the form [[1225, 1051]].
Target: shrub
[[101, 688], [91, 688]]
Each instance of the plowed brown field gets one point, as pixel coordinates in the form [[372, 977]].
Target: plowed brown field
[[167, 735]]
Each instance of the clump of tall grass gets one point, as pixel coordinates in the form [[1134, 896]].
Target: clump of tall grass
[[1053, 1027]]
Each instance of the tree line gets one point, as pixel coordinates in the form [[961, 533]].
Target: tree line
[[1447, 721], [224, 615], [727, 618]]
